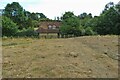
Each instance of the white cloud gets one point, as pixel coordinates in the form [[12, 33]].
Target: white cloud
[[52, 8]]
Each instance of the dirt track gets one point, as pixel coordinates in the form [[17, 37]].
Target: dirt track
[[83, 57]]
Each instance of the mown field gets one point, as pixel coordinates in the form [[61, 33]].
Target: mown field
[[81, 57]]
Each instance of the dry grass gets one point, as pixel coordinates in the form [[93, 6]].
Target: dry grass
[[48, 36], [82, 57]]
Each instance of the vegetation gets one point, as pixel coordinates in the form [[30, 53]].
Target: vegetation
[[9, 28], [107, 23], [83, 57], [56, 58], [70, 24], [19, 22], [27, 33]]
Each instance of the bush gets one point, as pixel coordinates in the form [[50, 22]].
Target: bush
[[70, 24], [27, 33], [89, 31], [9, 28], [81, 31]]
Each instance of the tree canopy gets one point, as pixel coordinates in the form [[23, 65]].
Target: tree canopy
[[9, 28], [70, 23], [16, 19], [109, 20], [23, 18]]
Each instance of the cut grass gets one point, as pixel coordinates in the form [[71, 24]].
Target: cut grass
[[50, 57]]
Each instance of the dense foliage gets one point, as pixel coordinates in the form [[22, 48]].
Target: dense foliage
[[9, 28], [109, 21], [18, 22], [27, 33], [70, 24]]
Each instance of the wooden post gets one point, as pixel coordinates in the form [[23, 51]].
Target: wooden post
[[58, 34], [38, 35]]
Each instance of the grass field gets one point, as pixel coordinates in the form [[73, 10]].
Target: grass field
[[81, 57]]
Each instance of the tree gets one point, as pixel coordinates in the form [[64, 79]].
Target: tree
[[13, 9], [9, 28], [41, 15], [70, 24], [37, 16], [108, 6], [85, 15], [27, 14], [67, 15], [24, 19], [15, 12], [85, 19], [89, 31], [34, 16], [109, 22]]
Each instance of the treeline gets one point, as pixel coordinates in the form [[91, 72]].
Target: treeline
[[18, 22], [85, 24]]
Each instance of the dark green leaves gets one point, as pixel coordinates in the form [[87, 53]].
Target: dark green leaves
[[9, 28]]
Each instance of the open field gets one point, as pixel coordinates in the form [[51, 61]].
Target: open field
[[81, 57]]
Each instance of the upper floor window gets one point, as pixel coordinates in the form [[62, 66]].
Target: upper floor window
[[49, 27], [54, 27]]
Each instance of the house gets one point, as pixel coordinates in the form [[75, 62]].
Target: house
[[48, 27]]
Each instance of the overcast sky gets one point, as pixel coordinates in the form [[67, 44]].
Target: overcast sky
[[54, 8]]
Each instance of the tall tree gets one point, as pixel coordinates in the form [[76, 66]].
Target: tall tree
[[41, 15], [9, 28], [70, 23], [109, 22], [85, 15], [67, 15], [108, 6], [37, 16], [15, 12]]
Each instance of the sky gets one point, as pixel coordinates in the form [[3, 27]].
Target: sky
[[56, 8]]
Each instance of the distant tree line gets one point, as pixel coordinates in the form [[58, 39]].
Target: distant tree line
[[108, 22], [16, 21]]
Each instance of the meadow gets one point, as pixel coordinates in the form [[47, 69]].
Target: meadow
[[80, 57]]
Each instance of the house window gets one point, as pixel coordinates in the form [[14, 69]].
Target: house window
[[49, 27], [54, 27]]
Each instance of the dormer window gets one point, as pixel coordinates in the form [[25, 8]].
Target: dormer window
[[49, 27], [54, 27]]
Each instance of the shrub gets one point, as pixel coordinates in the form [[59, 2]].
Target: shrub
[[89, 31], [9, 28], [27, 33]]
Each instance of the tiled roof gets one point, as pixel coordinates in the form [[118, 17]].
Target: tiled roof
[[43, 27]]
